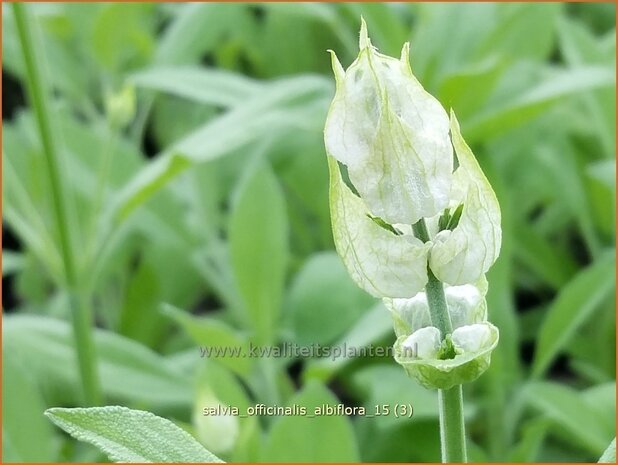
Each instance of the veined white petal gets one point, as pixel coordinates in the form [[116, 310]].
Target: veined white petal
[[381, 262], [463, 255], [393, 137]]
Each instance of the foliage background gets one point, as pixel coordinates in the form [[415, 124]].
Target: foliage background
[[211, 197]]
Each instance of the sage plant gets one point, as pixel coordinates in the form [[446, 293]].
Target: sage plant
[[415, 222]]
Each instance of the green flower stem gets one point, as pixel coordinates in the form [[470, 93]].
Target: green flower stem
[[79, 309], [452, 427]]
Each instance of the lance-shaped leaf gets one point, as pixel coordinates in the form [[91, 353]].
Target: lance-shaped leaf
[[381, 262], [127, 435], [464, 254], [391, 134]]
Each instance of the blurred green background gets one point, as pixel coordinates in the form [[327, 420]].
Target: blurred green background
[[195, 173]]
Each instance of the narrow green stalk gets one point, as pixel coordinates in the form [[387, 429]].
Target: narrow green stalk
[[452, 427], [38, 98]]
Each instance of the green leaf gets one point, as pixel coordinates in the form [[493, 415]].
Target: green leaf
[[208, 21], [533, 435], [522, 30], [323, 300], [298, 438], [298, 103], [389, 385], [12, 262], [609, 456], [527, 105], [467, 89], [46, 346], [131, 436], [372, 326], [258, 234], [570, 413], [572, 307], [602, 401], [213, 334], [122, 35], [207, 86], [22, 422], [547, 260]]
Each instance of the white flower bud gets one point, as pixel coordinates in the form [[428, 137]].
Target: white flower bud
[[466, 305], [423, 343], [391, 134], [218, 433], [471, 338]]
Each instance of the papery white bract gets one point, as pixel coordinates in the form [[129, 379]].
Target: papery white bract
[[379, 261], [466, 253], [392, 136], [396, 142]]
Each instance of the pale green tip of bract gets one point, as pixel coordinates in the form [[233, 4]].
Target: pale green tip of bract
[[337, 67], [405, 54], [363, 40]]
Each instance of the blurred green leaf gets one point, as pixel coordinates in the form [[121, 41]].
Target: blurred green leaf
[[570, 413], [258, 234], [552, 264], [139, 319], [602, 401], [533, 435], [522, 107], [573, 306], [213, 334], [311, 439], [130, 435], [374, 325], [12, 262], [208, 21], [323, 301], [45, 345], [22, 421], [121, 35], [207, 86], [297, 102], [389, 385]]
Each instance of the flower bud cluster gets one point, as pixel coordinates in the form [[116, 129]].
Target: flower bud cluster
[[407, 163]]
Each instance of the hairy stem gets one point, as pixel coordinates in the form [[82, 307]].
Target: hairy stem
[[39, 100], [452, 427]]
